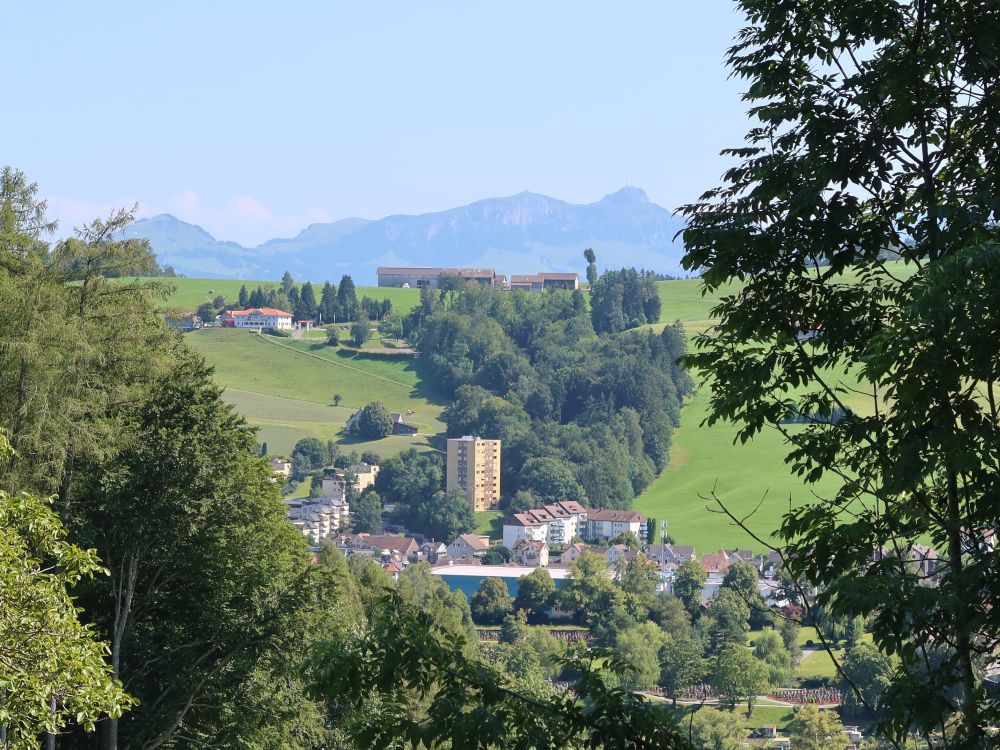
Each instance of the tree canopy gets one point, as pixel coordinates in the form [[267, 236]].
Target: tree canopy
[[856, 236]]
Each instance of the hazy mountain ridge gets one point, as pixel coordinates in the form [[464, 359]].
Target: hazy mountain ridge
[[522, 233]]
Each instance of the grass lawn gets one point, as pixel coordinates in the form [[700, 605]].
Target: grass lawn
[[286, 389], [190, 293], [489, 522], [817, 663], [702, 459]]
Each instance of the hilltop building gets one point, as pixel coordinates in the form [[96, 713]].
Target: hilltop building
[[474, 468], [431, 277], [259, 318], [539, 282]]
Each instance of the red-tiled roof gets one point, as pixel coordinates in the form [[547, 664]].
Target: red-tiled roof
[[262, 311]]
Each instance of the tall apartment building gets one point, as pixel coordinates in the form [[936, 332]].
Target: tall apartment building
[[474, 468]]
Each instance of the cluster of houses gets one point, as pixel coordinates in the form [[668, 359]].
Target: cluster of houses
[[322, 518]]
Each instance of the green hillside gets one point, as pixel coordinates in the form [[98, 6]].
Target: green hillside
[[703, 459], [190, 293], [286, 388]]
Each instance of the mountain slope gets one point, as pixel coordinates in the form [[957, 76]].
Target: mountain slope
[[523, 233]]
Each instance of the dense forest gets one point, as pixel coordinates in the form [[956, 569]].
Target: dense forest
[[582, 415]]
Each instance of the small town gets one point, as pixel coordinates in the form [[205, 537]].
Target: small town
[[476, 376]]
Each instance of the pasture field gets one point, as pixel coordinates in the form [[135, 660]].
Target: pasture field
[[287, 390], [751, 479], [189, 293]]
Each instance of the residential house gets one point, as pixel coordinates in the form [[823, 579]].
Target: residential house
[[394, 569], [618, 554], [281, 466], [400, 426], [607, 524], [398, 548], [183, 323], [670, 554], [715, 563], [356, 478], [433, 551], [577, 550], [468, 545], [531, 553]]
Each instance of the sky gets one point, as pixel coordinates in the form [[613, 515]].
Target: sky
[[255, 119]]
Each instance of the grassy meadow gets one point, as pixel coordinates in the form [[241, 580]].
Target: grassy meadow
[[189, 293], [751, 479], [286, 389]]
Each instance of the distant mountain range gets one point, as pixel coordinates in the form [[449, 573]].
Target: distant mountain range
[[524, 233]]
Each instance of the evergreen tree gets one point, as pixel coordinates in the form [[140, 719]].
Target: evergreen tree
[[591, 259], [347, 299], [307, 302], [328, 303], [244, 297], [287, 283]]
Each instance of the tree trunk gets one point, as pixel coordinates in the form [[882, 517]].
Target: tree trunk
[[50, 737]]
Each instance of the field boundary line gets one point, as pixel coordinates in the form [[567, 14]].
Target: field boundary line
[[330, 362]]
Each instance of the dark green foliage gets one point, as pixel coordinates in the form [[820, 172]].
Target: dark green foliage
[[307, 308], [667, 611], [727, 619], [624, 299], [497, 554], [536, 593], [366, 513], [737, 675], [209, 582], [328, 303], [411, 477], [682, 665], [374, 422], [491, 603], [206, 311], [514, 628], [347, 299], [472, 704], [313, 450], [581, 416], [742, 579], [332, 336], [360, 332], [689, 580], [876, 135], [871, 673], [591, 257], [244, 297], [443, 516]]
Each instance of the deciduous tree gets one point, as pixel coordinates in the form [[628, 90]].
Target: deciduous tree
[[875, 140]]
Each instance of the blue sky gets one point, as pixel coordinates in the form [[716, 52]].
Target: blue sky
[[254, 119]]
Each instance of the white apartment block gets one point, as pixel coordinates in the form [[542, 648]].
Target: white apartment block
[[555, 524], [607, 524]]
